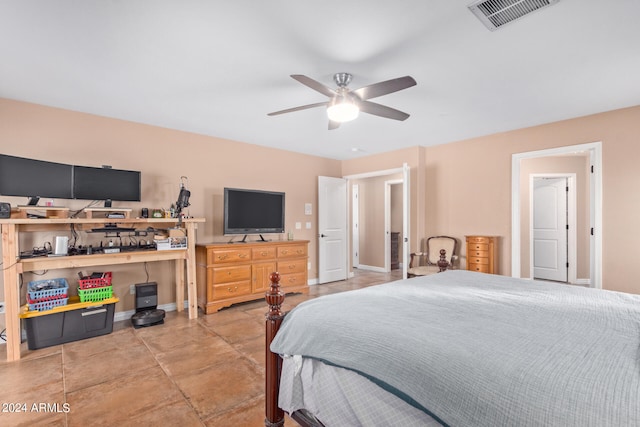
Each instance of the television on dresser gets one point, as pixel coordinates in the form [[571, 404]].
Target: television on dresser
[[34, 178], [248, 211], [106, 184]]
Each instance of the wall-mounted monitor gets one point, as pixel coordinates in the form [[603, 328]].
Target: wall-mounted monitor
[[106, 184], [34, 178], [253, 211]]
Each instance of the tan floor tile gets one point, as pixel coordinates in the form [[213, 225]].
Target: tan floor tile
[[250, 413], [160, 340], [81, 372], [196, 356], [116, 401], [239, 331], [221, 387], [29, 377]]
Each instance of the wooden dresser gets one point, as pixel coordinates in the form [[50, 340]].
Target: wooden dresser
[[228, 273], [482, 254]]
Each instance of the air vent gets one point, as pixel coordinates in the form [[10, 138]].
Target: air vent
[[496, 13]]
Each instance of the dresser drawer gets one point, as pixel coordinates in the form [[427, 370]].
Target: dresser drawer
[[268, 252], [479, 239], [479, 254], [482, 268], [222, 256], [228, 290], [297, 279], [292, 251], [478, 247], [476, 260], [230, 274], [292, 266]]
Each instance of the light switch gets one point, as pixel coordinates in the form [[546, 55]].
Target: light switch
[[307, 208], [308, 225], [298, 226]]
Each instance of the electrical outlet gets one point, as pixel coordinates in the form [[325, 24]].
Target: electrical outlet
[[132, 289], [1, 307]]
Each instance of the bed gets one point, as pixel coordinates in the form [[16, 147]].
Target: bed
[[457, 348]]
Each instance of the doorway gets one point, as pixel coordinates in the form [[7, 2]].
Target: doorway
[[363, 232], [593, 153]]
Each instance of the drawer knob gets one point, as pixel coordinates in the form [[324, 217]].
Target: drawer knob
[[263, 253], [221, 257], [232, 290], [292, 266], [284, 252], [242, 255]]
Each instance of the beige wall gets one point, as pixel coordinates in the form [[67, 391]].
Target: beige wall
[[456, 189], [163, 156]]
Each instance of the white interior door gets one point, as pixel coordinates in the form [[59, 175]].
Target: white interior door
[[549, 222], [332, 229]]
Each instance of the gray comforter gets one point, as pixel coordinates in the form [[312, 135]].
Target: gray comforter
[[474, 349]]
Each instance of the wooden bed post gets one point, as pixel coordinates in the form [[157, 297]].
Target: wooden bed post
[[274, 416]]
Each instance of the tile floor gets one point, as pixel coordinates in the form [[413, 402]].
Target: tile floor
[[203, 372]]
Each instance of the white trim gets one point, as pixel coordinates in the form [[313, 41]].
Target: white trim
[[355, 226], [595, 154], [372, 268], [375, 173], [387, 221]]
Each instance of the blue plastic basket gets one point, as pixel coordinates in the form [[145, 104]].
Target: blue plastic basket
[[47, 305], [48, 293]]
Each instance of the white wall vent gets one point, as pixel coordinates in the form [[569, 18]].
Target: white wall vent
[[496, 13]]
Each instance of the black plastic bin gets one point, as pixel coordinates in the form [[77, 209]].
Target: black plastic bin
[[74, 323]]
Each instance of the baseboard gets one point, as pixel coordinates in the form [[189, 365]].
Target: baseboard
[[372, 268], [583, 282]]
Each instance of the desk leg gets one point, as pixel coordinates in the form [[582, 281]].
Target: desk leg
[[179, 266], [192, 290], [11, 291]]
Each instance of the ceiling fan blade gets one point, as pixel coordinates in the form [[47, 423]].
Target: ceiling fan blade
[[383, 88], [302, 107], [333, 125], [315, 85], [382, 110]]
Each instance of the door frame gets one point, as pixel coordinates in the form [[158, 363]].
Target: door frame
[[387, 221], [595, 200], [406, 206], [355, 226], [572, 222]]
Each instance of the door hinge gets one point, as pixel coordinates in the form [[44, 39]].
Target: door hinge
[[567, 226], [591, 168], [567, 265], [592, 231]]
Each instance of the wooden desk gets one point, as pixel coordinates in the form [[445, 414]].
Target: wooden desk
[[13, 266]]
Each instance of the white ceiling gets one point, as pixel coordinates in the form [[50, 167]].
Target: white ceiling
[[218, 67]]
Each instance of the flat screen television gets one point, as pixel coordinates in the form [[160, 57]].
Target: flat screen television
[[34, 178], [253, 211], [106, 184]]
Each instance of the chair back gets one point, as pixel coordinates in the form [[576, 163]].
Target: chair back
[[434, 244]]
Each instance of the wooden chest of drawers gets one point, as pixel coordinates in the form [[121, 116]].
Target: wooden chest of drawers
[[481, 254], [231, 273]]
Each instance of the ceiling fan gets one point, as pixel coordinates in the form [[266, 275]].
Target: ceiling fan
[[345, 104]]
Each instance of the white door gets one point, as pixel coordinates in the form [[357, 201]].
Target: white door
[[332, 229], [550, 228]]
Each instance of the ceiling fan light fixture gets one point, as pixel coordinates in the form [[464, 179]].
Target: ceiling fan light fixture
[[342, 110]]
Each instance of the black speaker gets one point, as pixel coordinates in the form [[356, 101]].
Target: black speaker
[[144, 213], [5, 210]]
